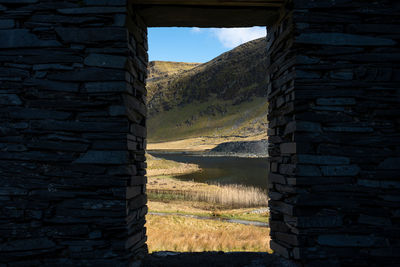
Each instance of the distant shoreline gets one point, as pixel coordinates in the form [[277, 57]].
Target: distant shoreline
[[207, 153]]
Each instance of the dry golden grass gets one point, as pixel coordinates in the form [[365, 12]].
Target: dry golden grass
[[229, 196], [235, 196], [164, 70], [168, 183], [176, 233], [205, 209], [158, 166]]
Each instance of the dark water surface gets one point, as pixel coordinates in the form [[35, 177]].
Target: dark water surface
[[223, 170]]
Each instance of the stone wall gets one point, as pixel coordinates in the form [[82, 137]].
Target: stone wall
[[334, 129], [72, 133]]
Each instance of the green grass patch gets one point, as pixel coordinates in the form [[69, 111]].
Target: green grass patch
[[214, 118]]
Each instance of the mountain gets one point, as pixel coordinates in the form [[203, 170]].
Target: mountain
[[225, 97], [158, 70]]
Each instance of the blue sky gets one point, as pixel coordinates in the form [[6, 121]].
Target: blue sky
[[197, 44]]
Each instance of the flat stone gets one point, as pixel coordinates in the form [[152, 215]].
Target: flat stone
[[37, 156], [307, 75], [10, 100], [13, 72], [277, 178], [138, 130], [91, 35], [119, 20], [336, 101], [51, 18], [36, 56], [133, 106], [7, 23], [308, 170], [328, 108], [12, 191], [35, 114], [106, 87], [307, 4], [45, 84], [318, 181], [390, 164], [19, 1], [52, 67], [79, 126], [306, 126], [103, 157], [288, 148], [58, 146], [27, 244], [88, 75], [321, 159], [281, 250], [275, 195], [374, 28], [379, 184], [318, 221], [105, 61], [349, 129], [373, 220], [301, 59], [133, 191], [339, 39], [345, 170], [347, 240], [109, 145], [92, 10], [19, 38], [13, 147], [342, 75], [117, 110]]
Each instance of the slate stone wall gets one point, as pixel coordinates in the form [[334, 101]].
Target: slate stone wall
[[72, 133], [334, 129]]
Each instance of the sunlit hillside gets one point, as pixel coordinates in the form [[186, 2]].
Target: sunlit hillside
[[225, 97]]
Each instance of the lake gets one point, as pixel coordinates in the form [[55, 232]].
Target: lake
[[223, 170]]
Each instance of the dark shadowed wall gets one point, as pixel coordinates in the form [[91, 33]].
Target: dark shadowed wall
[[334, 125], [72, 133], [73, 130]]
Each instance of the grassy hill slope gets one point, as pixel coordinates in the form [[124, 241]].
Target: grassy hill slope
[[164, 69], [223, 98]]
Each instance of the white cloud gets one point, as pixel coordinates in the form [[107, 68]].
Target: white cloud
[[232, 37], [196, 30]]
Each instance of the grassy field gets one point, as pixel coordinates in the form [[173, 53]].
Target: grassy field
[[205, 209], [228, 123], [159, 166], [174, 233]]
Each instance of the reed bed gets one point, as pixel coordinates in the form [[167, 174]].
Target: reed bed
[[230, 196]]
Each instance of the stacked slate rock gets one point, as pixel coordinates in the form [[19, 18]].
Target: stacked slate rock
[[334, 131], [72, 133]]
